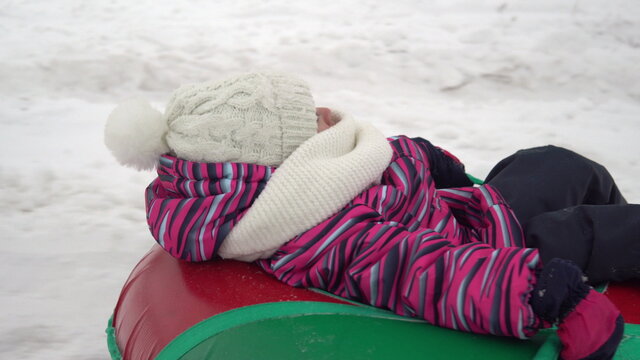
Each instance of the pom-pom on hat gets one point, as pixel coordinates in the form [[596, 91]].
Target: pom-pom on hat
[[257, 118]]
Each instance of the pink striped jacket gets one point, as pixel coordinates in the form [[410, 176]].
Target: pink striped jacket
[[413, 244]]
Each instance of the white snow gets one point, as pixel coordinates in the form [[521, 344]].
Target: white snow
[[481, 78]]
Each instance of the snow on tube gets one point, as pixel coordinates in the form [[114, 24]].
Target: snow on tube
[[171, 309]]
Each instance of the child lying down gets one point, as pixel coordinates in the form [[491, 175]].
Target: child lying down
[[249, 169]]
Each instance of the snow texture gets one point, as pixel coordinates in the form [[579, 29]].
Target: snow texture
[[481, 78]]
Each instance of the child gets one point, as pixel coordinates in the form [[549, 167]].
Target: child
[[249, 169]]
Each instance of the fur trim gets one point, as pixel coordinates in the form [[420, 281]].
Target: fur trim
[[135, 134]]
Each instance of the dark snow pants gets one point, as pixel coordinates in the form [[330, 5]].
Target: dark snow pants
[[570, 208]]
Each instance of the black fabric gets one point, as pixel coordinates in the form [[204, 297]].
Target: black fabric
[[604, 240], [559, 288], [571, 208], [446, 172], [549, 178]]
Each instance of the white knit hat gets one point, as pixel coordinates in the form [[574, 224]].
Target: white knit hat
[[258, 118]]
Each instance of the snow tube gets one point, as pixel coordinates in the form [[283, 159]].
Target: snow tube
[[171, 309]]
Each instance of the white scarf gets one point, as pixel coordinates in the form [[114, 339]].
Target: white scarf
[[319, 178]]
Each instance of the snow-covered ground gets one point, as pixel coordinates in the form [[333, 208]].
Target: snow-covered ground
[[481, 78]]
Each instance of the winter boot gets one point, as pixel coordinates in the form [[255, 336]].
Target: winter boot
[[590, 326]]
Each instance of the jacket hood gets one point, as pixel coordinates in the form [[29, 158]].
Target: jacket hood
[[192, 206]]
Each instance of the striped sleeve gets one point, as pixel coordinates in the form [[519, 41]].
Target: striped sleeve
[[358, 255], [485, 210], [399, 245]]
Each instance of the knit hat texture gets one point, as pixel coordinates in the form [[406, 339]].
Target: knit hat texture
[[256, 118]]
